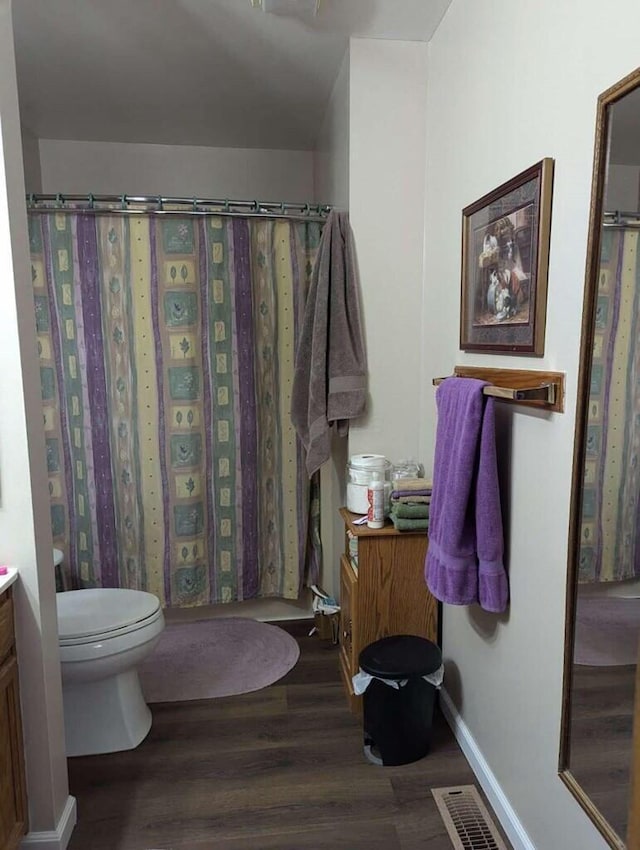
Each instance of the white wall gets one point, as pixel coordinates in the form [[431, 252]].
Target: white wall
[[371, 160], [117, 168], [494, 109], [331, 157], [622, 191], [25, 529], [31, 159], [388, 81], [331, 186]]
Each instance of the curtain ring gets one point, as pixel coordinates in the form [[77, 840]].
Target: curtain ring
[[123, 202], [59, 200], [91, 201]]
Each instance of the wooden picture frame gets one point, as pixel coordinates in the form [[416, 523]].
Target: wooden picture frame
[[505, 259]]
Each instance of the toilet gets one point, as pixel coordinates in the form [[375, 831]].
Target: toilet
[[104, 633]]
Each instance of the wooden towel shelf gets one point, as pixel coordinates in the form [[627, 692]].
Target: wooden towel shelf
[[529, 387]]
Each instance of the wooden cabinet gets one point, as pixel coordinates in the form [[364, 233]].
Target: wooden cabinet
[[13, 798], [383, 594]]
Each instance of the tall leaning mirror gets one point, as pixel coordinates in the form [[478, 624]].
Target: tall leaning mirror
[[603, 598]]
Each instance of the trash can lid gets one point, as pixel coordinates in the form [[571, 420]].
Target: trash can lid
[[400, 657]]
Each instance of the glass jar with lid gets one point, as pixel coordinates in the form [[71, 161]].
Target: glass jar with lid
[[406, 469]]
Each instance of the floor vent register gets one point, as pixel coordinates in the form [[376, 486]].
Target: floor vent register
[[466, 818]]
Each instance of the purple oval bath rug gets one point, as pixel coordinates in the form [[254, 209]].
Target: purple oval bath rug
[[216, 658]]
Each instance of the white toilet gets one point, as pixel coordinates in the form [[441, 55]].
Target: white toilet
[[104, 633]]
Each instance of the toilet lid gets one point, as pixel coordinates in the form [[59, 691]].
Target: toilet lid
[[98, 611]]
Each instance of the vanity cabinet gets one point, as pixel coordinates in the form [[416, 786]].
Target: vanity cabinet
[[13, 797], [382, 592]]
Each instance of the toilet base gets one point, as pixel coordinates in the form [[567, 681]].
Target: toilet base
[[105, 716]]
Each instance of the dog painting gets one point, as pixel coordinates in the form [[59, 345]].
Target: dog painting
[[502, 273], [505, 261]]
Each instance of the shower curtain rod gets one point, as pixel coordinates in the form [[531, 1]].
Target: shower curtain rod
[[156, 205], [616, 218]]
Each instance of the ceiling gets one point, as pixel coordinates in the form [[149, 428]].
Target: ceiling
[[193, 72]]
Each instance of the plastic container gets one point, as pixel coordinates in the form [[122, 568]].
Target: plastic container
[[375, 499], [359, 476], [406, 469], [399, 703]]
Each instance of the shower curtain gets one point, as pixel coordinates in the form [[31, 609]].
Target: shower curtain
[[610, 544], [166, 349]]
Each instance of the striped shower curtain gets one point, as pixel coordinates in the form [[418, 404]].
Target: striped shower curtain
[[610, 528], [166, 350]]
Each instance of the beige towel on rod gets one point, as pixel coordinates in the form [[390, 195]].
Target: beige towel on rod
[[329, 382]]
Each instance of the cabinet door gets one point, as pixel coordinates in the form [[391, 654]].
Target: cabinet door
[[6, 625], [13, 815], [350, 640], [348, 631], [393, 595]]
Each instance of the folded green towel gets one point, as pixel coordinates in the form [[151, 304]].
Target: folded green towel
[[410, 510], [404, 524]]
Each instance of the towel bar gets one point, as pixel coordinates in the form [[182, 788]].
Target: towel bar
[[544, 390]]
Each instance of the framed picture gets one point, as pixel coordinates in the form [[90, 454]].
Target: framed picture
[[505, 258]]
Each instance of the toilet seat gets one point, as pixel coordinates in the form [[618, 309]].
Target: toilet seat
[[104, 634], [100, 614]]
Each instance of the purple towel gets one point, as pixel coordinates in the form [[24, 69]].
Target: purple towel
[[464, 558]]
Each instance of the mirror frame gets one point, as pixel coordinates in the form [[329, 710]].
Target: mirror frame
[[605, 101]]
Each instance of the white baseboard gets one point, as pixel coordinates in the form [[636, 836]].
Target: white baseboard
[[485, 776], [56, 839]]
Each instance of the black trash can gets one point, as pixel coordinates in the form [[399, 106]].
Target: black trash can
[[397, 721]]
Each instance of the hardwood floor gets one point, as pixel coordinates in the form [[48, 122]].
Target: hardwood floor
[[277, 769], [601, 737]]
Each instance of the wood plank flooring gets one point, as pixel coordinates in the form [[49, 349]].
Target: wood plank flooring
[[278, 769], [601, 737]]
